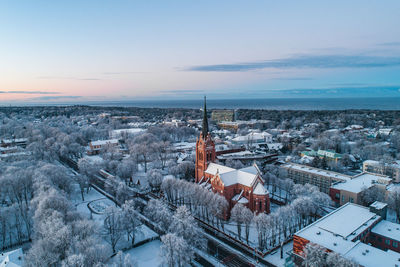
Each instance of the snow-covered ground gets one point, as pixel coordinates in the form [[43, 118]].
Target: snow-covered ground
[[146, 255], [97, 200], [275, 256]]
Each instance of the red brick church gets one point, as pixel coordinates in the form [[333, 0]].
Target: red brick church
[[243, 186]]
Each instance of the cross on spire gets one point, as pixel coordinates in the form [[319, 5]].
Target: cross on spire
[[204, 129]]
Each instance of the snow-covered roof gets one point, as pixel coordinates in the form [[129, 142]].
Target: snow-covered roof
[[214, 167], [308, 169], [253, 136], [388, 229], [354, 127], [229, 176], [184, 145], [104, 142], [260, 190], [306, 159], [369, 256], [378, 205], [129, 131], [17, 140], [12, 258], [362, 182], [336, 230], [243, 200], [394, 164], [275, 146]]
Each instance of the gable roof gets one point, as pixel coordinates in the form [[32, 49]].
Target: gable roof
[[229, 176], [12, 258]]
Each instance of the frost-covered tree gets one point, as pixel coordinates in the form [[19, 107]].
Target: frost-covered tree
[[237, 217], [121, 260], [130, 220], [113, 226], [247, 218], [184, 225], [154, 178], [317, 256], [158, 212], [83, 181], [175, 251], [393, 200]]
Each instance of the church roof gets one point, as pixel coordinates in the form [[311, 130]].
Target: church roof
[[213, 168], [229, 176], [260, 190]]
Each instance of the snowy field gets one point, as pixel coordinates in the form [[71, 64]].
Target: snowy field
[[100, 203], [275, 256], [147, 255]]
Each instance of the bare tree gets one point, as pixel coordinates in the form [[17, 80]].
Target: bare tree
[[113, 226]]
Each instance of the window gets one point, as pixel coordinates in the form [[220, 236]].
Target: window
[[342, 198], [387, 241], [379, 239], [395, 244], [337, 196], [351, 200]]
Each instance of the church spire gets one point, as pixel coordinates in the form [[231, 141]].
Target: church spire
[[204, 129]]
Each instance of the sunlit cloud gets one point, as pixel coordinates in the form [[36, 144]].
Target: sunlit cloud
[[61, 97], [67, 78], [30, 92]]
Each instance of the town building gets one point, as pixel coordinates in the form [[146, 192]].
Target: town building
[[220, 115], [323, 179], [391, 169], [124, 133], [234, 125], [244, 186], [326, 154], [14, 258], [349, 231], [96, 146], [13, 142], [351, 190], [252, 138]]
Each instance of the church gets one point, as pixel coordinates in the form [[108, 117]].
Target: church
[[244, 186]]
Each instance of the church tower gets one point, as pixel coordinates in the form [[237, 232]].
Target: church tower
[[205, 148]]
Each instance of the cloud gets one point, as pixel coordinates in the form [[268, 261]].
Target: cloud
[[29, 92], [293, 79], [122, 72], [56, 97], [305, 61], [183, 91], [67, 78], [390, 44]]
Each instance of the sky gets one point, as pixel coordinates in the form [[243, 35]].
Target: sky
[[74, 51]]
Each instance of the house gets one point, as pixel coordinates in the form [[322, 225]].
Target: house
[[385, 131], [391, 169], [20, 142], [14, 258], [349, 231], [351, 190], [323, 179], [253, 138], [121, 133], [96, 146], [244, 186], [326, 154]]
